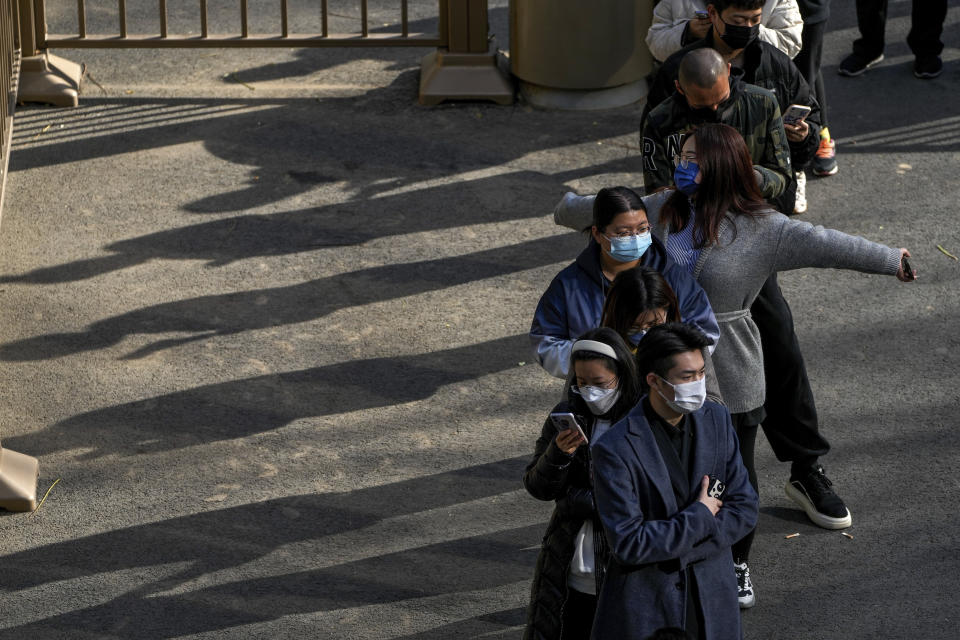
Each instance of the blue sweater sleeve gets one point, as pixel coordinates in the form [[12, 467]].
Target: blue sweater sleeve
[[695, 308]]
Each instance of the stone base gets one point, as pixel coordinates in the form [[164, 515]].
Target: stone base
[[49, 79], [18, 481], [580, 100], [463, 76]]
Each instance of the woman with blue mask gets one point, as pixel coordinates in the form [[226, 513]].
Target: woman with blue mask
[[620, 240], [604, 387]]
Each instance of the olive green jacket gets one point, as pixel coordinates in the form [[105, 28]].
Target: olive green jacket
[[752, 111]]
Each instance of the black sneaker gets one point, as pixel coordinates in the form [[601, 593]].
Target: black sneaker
[[855, 64], [745, 595], [813, 492], [926, 68]]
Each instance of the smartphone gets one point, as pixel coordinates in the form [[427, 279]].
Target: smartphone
[[907, 269], [715, 488], [564, 421], [796, 113], [703, 15]]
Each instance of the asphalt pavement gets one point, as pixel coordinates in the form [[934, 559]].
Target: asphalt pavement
[[265, 318]]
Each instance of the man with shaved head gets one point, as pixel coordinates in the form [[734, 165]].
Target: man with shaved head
[[707, 92]]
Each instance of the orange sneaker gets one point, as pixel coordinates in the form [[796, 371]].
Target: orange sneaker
[[825, 162]]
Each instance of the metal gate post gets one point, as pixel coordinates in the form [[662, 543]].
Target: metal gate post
[[44, 77], [466, 68]]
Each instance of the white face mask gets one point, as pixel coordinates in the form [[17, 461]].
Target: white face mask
[[687, 397], [598, 399]]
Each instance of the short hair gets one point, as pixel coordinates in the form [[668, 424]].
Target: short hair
[[661, 343], [625, 368], [702, 68], [748, 5], [637, 291], [611, 202]]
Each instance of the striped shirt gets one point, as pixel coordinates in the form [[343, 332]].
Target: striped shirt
[[680, 245]]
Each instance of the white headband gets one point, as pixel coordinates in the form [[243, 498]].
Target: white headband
[[595, 347]]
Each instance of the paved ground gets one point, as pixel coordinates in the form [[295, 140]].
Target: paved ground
[[271, 337]]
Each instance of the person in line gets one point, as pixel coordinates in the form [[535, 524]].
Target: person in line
[[707, 91], [672, 495], [815, 14], [620, 239], [677, 23], [570, 565], [926, 27], [640, 299], [763, 65], [736, 242]]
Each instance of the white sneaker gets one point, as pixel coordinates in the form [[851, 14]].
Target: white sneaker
[[800, 205], [744, 586]]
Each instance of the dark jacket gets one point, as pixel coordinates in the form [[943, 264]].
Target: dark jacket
[[751, 110], [573, 304], [653, 539], [765, 66], [553, 475]]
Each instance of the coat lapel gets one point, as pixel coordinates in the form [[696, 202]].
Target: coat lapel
[[705, 448], [645, 447]]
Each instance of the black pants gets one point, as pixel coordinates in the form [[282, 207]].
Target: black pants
[[747, 435], [578, 612], [926, 26], [791, 423], [808, 62]]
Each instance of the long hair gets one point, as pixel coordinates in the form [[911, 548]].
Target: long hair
[[637, 291], [727, 185], [625, 368]]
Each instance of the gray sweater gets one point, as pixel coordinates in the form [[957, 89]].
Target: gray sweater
[[733, 271]]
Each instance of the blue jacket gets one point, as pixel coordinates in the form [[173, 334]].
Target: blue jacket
[[573, 304], [653, 539]]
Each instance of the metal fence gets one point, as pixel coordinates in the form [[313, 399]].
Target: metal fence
[[288, 35], [9, 78]]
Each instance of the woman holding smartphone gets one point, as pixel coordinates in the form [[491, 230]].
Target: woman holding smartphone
[[735, 241], [604, 387]]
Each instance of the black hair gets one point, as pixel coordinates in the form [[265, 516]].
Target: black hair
[[625, 368], [611, 202], [655, 352], [748, 5], [637, 291]]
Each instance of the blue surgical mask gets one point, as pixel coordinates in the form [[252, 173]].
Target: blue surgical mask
[[685, 177], [630, 248], [635, 338]]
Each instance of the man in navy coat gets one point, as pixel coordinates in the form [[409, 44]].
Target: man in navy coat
[[673, 496]]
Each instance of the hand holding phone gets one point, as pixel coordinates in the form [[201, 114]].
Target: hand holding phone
[[570, 434], [796, 113], [907, 274]]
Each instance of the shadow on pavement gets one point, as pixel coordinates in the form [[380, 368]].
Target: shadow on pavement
[[217, 540], [249, 406], [233, 313]]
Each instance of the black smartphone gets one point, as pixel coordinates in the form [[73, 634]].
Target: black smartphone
[[907, 269]]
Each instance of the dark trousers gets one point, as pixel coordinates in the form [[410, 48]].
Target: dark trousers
[[747, 435], [808, 62], [926, 26], [578, 613], [791, 422]]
